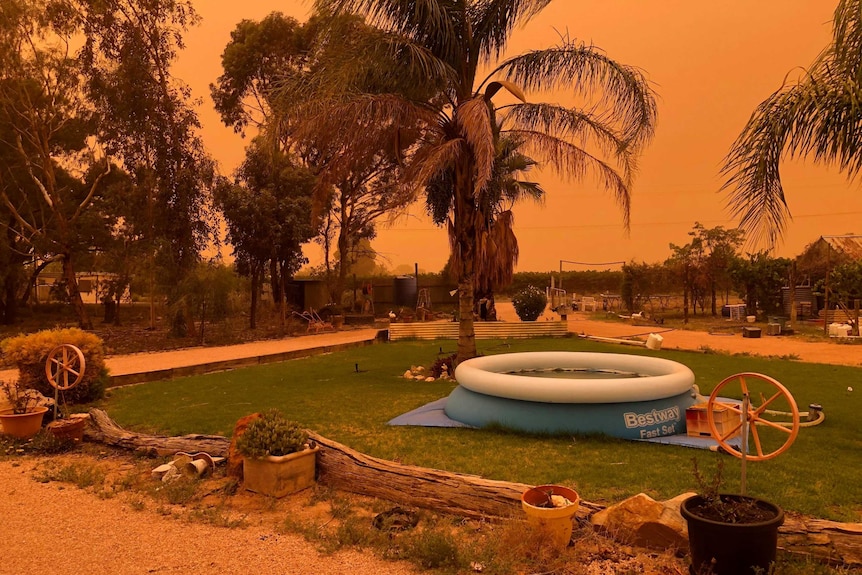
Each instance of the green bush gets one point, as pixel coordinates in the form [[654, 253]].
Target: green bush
[[30, 352], [271, 434], [529, 303]]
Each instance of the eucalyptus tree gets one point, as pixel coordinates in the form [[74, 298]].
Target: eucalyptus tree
[[258, 57], [48, 126], [269, 64], [817, 117], [267, 211], [150, 124], [445, 44]]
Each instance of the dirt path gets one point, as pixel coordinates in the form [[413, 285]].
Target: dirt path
[[778, 346], [60, 529]]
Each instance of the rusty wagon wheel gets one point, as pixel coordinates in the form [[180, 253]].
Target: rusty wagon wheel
[[768, 399], [65, 366]]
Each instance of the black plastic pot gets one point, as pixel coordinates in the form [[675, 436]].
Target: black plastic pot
[[731, 548]]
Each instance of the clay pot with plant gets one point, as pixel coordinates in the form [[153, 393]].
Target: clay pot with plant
[[730, 533], [23, 416], [736, 534], [278, 457]]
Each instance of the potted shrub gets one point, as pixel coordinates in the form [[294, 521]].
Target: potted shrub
[[529, 303], [278, 457], [730, 533], [23, 416]]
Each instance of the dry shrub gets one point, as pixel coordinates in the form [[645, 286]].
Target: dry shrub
[[30, 352]]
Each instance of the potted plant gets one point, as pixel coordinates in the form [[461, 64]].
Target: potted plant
[[278, 458], [730, 533], [23, 416], [552, 508]]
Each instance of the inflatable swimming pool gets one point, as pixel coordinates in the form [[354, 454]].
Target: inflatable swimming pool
[[622, 395]]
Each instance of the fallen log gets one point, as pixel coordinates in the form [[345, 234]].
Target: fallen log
[[470, 496], [344, 468]]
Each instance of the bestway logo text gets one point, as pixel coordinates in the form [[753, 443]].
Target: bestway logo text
[[651, 417]]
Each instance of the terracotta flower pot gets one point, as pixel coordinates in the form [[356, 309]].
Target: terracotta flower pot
[[69, 429], [22, 425], [282, 475], [557, 521]]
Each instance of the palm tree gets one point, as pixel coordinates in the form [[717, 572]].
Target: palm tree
[[496, 244], [445, 43], [818, 117]]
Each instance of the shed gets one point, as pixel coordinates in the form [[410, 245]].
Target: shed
[[818, 260]]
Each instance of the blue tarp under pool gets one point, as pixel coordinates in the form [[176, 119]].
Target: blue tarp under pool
[[433, 415]]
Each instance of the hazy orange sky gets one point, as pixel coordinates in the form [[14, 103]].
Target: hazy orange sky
[[711, 63]]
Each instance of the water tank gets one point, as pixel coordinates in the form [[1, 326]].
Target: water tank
[[806, 305], [404, 290]]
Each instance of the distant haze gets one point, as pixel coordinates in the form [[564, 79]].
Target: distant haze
[[711, 64]]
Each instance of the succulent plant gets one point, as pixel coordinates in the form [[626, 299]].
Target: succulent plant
[[272, 434]]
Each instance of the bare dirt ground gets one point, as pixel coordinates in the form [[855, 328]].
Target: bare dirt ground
[[730, 341], [55, 527]]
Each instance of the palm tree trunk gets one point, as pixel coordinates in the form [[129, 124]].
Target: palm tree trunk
[[464, 225]]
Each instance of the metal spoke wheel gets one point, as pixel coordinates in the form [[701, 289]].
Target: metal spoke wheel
[[65, 367], [770, 405]]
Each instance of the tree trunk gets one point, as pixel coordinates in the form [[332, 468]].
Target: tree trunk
[[344, 252], [255, 286], [471, 496], [464, 224], [84, 320], [9, 313]]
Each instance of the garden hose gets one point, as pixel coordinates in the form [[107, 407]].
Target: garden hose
[[814, 416]]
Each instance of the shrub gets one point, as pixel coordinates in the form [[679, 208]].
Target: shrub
[[30, 352], [271, 434], [529, 303]]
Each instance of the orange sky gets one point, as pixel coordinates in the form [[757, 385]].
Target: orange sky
[[711, 64]]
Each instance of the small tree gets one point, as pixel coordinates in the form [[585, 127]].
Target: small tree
[[530, 303]]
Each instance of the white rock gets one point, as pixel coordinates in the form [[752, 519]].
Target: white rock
[[429, 379], [408, 375]]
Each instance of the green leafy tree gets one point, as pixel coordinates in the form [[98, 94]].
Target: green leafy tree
[[267, 65], [444, 45], [759, 280], [149, 123], [845, 281], [48, 122], [267, 213], [815, 117], [719, 247]]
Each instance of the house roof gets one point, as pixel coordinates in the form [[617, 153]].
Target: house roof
[[849, 244]]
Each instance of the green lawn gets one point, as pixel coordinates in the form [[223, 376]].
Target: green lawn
[[819, 475]]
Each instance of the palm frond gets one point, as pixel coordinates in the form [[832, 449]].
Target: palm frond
[[432, 23], [622, 92], [574, 163], [475, 122], [569, 124], [494, 21], [431, 160], [819, 117]]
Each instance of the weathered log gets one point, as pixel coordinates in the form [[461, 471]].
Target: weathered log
[[465, 495], [103, 429], [343, 468]]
